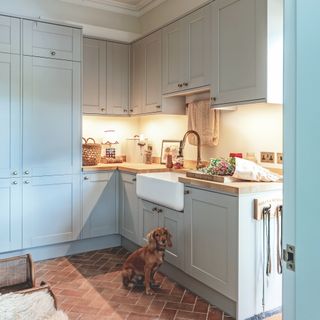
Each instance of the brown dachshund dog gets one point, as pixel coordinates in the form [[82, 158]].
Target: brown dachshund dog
[[143, 263]]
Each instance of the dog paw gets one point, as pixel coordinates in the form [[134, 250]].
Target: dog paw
[[149, 292]]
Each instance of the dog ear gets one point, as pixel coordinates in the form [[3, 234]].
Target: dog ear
[[169, 236], [152, 244]]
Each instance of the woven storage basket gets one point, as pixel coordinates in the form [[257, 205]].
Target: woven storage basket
[[16, 273], [91, 152]]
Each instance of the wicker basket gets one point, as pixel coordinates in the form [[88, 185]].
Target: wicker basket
[[91, 152], [16, 273]]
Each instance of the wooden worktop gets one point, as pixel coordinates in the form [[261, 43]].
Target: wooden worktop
[[236, 188]]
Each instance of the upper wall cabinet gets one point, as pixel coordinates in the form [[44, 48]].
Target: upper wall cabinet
[[186, 52], [146, 95], [94, 76], [247, 52], [9, 35], [117, 78], [51, 41]]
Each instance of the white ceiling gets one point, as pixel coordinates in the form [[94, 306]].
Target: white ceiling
[[131, 7]]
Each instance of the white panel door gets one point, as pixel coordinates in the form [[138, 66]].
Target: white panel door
[[10, 215], [99, 204], [212, 239], [128, 206], [51, 41], [239, 51], [94, 76], [117, 78], [10, 114], [9, 34], [51, 210], [137, 77], [51, 117], [172, 57], [174, 222], [197, 46], [152, 82]]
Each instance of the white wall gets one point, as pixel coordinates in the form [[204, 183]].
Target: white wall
[[96, 22], [252, 128]]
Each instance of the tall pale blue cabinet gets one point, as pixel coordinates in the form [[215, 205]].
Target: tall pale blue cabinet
[[40, 134]]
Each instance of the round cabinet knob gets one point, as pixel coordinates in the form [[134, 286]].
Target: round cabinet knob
[[26, 172], [134, 179], [53, 53], [160, 210], [158, 107], [102, 109], [180, 85], [27, 182], [185, 84], [125, 110], [213, 99], [154, 209], [15, 173], [15, 182], [86, 178], [186, 191]]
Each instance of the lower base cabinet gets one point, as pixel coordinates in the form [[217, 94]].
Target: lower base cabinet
[[153, 216], [128, 207], [51, 210], [99, 214], [212, 239], [10, 215]]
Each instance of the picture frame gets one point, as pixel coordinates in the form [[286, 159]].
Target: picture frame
[[169, 146]]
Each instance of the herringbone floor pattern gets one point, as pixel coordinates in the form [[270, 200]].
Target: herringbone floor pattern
[[88, 287]]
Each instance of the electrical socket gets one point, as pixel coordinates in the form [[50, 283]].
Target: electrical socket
[[279, 157], [267, 157]]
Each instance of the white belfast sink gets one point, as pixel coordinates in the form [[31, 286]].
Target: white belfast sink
[[162, 188]]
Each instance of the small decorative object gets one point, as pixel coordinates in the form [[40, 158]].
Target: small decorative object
[[148, 155], [108, 140], [169, 147], [220, 167], [235, 155], [91, 152], [169, 163]]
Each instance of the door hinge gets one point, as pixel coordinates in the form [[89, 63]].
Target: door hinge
[[289, 256]]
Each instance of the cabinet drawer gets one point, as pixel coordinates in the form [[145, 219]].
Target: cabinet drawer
[[51, 41], [9, 34]]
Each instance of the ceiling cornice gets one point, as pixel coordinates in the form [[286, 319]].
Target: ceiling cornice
[[119, 7]]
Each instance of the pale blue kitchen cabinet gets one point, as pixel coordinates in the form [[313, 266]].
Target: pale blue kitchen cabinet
[[51, 117], [51, 207], [99, 210], [10, 215], [10, 130], [128, 207], [211, 232], [9, 34], [154, 216]]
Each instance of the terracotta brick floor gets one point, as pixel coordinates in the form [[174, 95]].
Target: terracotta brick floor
[[88, 286]]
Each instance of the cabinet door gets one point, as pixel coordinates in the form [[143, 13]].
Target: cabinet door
[[10, 115], [129, 213], [197, 47], [94, 76], [51, 210], [172, 55], [239, 38], [51, 41], [137, 77], [9, 34], [117, 78], [51, 117], [10, 215], [149, 219], [174, 222], [152, 84], [99, 205], [212, 240]]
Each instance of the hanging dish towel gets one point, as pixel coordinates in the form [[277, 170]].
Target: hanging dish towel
[[205, 121]]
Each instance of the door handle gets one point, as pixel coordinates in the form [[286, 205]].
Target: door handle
[[27, 182]]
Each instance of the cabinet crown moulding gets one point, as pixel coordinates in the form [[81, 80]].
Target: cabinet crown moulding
[[130, 7]]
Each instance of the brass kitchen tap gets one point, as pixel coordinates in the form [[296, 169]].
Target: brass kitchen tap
[[183, 142]]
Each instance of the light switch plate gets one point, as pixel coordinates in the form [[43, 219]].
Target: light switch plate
[[267, 157], [279, 157]]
